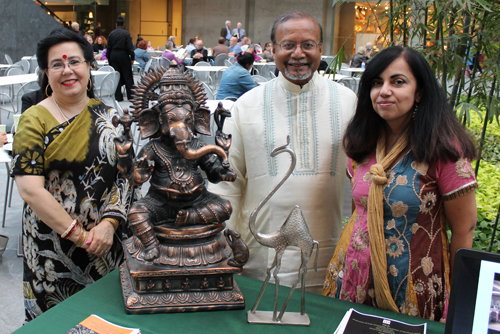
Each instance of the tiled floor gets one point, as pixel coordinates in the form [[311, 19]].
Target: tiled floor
[[11, 266]]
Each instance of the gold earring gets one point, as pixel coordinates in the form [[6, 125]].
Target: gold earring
[[47, 87], [90, 83]]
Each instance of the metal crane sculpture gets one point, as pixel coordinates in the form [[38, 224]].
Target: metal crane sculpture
[[293, 232]]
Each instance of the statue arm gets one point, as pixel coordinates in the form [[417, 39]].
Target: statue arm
[[143, 166], [212, 166]]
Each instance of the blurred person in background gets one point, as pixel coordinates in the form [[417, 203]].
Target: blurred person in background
[[236, 79]]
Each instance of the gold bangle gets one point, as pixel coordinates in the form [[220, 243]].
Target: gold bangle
[[69, 230], [114, 222], [81, 238]]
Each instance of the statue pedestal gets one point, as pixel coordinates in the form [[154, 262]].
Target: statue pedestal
[[191, 274]]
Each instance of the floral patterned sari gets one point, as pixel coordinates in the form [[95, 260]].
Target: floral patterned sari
[[418, 265], [78, 161]]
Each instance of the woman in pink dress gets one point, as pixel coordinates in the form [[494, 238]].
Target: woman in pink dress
[[410, 171]]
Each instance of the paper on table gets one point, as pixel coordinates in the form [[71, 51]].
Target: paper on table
[[357, 322], [98, 325]]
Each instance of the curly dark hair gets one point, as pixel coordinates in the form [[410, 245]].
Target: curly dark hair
[[433, 134], [56, 37]]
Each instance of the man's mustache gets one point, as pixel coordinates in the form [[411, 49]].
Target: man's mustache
[[298, 62]]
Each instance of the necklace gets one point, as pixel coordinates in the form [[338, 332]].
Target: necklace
[[62, 114]]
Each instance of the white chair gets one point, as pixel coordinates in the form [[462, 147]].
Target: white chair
[[26, 88], [13, 70], [106, 68], [350, 83], [202, 63], [25, 65], [203, 76], [147, 66], [232, 59], [259, 78], [220, 59], [227, 63], [107, 88], [218, 78], [33, 64], [7, 102], [8, 59], [161, 48], [165, 62], [210, 94], [265, 71], [231, 98]]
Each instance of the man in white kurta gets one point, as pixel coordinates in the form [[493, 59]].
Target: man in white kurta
[[315, 116]]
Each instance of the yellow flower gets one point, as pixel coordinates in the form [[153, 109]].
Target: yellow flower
[[402, 180], [399, 209], [394, 246], [428, 202], [435, 286], [414, 228], [420, 167], [360, 240], [393, 270], [364, 201], [32, 163], [419, 287], [464, 168], [360, 295], [427, 265], [367, 177], [391, 224]]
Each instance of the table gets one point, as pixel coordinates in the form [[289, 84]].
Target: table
[[101, 63], [337, 76], [155, 53], [205, 68], [104, 298], [25, 78], [353, 69], [258, 63]]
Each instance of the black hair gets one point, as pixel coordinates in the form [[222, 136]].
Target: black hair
[[221, 40], [120, 21], [434, 133], [244, 59], [192, 40], [59, 36], [294, 14], [138, 40]]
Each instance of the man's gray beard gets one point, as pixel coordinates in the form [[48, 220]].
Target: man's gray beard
[[296, 76]]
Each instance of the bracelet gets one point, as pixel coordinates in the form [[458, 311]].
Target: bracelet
[[70, 229], [114, 222], [82, 237]]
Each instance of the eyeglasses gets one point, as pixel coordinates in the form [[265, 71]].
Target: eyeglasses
[[305, 46], [72, 65]]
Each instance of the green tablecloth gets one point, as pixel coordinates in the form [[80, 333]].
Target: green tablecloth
[[104, 298]]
